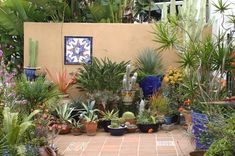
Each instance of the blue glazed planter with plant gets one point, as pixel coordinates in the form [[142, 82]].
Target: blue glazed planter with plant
[[149, 65]]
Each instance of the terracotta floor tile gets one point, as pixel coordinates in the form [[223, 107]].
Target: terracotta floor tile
[[70, 153], [86, 153], [134, 144], [109, 154]]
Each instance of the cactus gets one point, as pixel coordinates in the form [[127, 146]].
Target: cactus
[[192, 21], [33, 53], [128, 115], [129, 81]]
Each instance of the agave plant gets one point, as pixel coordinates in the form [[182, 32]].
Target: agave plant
[[149, 62], [109, 115], [90, 112], [62, 80], [64, 112]]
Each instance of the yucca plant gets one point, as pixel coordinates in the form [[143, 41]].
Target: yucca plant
[[61, 79], [149, 62]]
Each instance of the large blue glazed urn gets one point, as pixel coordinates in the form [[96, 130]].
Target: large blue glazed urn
[[151, 84]]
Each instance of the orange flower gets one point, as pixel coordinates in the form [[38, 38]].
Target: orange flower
[[187, 102], [180, 109], [150, 130]]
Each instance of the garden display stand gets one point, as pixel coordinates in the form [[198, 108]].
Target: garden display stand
[[200, 131]]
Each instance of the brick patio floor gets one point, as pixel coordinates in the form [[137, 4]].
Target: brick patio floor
[[161, 143]]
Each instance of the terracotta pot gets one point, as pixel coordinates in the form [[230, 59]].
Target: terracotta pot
[[197, 153], [91, 128], [131, 130], [83, 128], [46, 151], [187, 116], [64, 128], [76, 131], [131, 121]]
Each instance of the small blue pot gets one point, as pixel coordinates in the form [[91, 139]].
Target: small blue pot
[[30, 74], [151, 84], [168, 120]]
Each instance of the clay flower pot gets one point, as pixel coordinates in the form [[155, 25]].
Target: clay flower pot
[[187, 116], [76, 131], [64, 128], [91, 128]]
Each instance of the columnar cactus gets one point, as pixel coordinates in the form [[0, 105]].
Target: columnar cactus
[[129, 81]]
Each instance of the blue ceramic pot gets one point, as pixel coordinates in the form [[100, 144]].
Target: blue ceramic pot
[[151, 84], [117, 131], [168, 120], [30, 74]]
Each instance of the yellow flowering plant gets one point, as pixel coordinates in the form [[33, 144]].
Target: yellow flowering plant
[[172, 80], [173, 76]]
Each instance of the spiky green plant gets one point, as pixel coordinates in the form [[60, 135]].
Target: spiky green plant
[[64, 112], [101, 75], [36, 92], [149, 62]]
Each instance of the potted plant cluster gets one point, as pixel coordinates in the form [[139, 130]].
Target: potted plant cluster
[[116, 128], [162, 108], [147, 123], [107, 117]]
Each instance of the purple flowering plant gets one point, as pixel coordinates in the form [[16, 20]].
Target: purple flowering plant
[[7, 85]]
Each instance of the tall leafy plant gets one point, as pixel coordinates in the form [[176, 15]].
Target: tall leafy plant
[[14, 128]]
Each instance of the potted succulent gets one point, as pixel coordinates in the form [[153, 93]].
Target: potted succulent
[[90, 117], [116, 129], [129, 117], [64, 116], [147, 123], [107, 116], [149, 65], [131, 128], [30, 71], [128, 83], [76, 126]]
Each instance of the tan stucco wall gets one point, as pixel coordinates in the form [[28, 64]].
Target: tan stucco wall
[[117, 41]]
